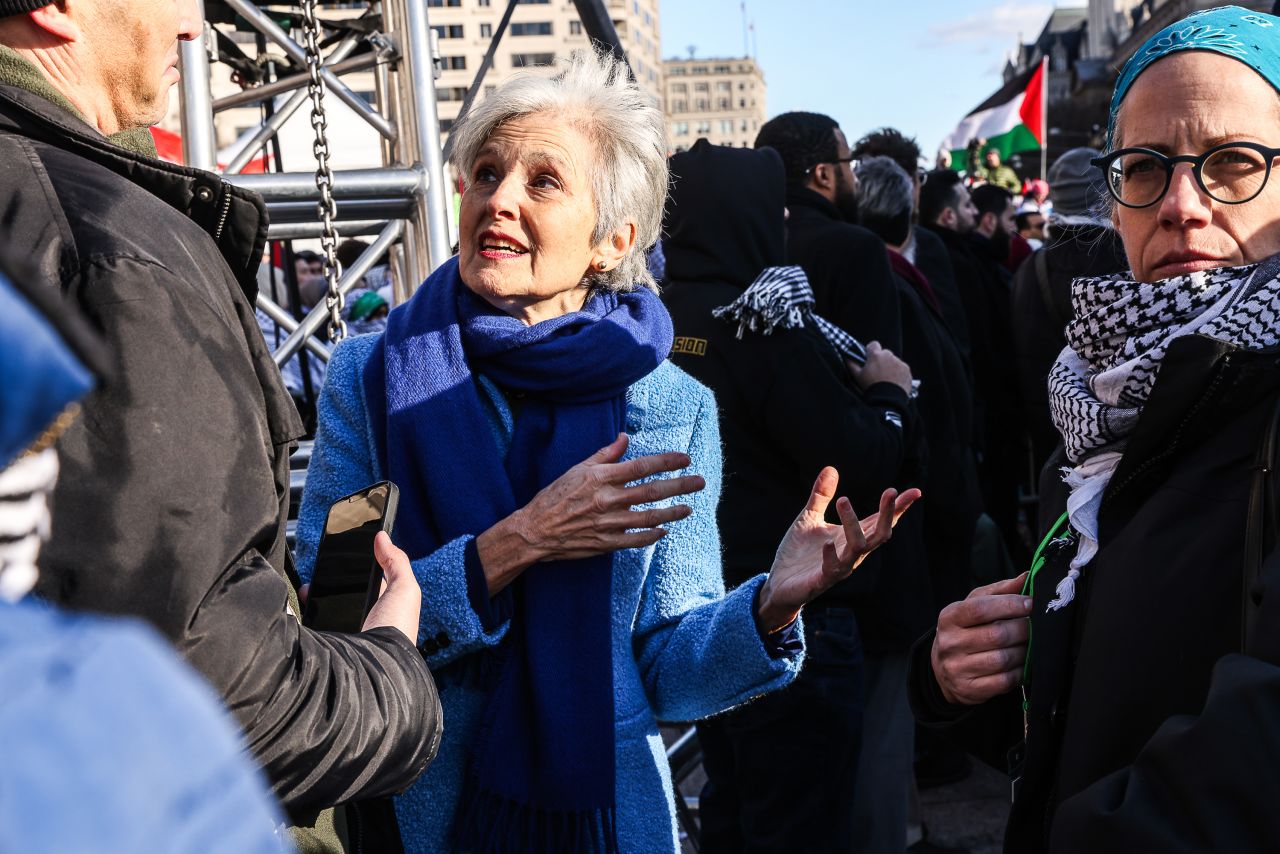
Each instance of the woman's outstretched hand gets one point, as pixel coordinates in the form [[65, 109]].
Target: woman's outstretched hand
[[588, 511], [814, 555]]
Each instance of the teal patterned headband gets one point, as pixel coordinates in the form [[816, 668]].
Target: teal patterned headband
[[1251, 37]]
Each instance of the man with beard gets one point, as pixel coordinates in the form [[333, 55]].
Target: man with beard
[[976, 232], [846, 264]]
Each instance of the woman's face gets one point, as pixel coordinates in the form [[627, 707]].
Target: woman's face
[[527, 217], [1186, 104]]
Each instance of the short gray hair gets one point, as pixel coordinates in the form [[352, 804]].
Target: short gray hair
[[884, 188], [629, 182]]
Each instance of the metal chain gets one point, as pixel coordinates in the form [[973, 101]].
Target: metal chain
[[334, 300]]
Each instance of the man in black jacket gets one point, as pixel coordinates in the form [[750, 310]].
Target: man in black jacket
[[845, 263], [175, 482], [978, 244], [781, 770]]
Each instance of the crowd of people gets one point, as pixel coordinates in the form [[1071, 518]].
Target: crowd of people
[[758, 439]]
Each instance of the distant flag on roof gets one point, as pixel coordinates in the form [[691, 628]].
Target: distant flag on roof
[[1009, 121]]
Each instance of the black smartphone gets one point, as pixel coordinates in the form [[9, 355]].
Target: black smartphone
[[347, 578]]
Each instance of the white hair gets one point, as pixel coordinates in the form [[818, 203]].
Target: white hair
[[629, 180]]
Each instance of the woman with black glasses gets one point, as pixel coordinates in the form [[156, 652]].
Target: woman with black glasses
[[1131, 678]]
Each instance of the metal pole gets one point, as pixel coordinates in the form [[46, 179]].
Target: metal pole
[[289, 324], [199, 147], [335, 62], [263, 22], [319, 315], [422, 126], [347, 184]]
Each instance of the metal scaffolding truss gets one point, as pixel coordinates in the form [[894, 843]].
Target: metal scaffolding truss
[[404, 202]]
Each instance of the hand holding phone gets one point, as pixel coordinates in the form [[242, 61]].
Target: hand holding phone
[[347, 579]]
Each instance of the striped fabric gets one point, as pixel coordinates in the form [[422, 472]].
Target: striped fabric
[[24, 520]]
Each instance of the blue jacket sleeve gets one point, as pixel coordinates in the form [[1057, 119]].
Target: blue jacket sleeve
[[698, 650], [343, 461]]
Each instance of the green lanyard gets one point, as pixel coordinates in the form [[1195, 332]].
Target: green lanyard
[[1029, 589]]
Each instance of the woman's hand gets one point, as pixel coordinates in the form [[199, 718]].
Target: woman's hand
[[814, 556], [587, 511], [981, 644], [882, 367]]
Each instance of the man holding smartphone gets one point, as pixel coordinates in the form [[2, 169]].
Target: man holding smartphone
[[175, 484]]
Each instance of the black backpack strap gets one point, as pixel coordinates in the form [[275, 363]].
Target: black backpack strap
[[1260, 527]]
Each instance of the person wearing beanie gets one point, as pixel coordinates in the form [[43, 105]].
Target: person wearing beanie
[[174, 494], [1079, 241]]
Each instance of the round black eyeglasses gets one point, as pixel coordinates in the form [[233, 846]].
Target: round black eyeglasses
[[1232, 173]]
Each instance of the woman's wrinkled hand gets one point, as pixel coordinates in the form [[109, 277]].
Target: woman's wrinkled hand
[[981, 644], [588, 511], [814, 555]]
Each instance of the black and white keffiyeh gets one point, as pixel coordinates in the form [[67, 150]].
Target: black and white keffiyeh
[[782, 297], [1115, 347]]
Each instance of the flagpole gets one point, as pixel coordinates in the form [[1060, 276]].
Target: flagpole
[[1044, 118]]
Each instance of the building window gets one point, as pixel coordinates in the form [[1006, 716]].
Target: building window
[[704, 128], [742, 103], [489, 90], [528, 60], [532, 2], [449, 31], [575, 28], [699, 69], [451, 93], [726, 126], [531, 28], [744, 125], [724, 69], [679, 88], [446, 125], [724, 103], [680, 106], [701, 87], [482, 3], [454, 63], [703, 105], [724, 86], [678, 71], [486, 31], [682, 128], [439, 3]]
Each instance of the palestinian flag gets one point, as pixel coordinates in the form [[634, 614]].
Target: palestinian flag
[[1011, 120]]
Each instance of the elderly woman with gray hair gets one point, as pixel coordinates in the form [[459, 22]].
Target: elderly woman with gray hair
[[523, 403]]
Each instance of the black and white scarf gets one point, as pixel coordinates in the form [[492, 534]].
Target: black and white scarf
[[25, 487], [781, 297], [1115, 347]]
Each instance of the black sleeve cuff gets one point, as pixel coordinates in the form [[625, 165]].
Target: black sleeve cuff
[[493, 611], [887, 396], [924, 693], [784, 643]]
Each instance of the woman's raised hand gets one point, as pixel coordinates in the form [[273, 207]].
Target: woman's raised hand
[[588, 511], [814, 555]]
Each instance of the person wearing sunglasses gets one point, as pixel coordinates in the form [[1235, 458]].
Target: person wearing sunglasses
[[1138, 707]]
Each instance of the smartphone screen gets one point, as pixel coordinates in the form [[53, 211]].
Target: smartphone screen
[[347, 578]]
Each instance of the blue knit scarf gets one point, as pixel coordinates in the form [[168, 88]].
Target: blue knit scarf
[[542, 772]]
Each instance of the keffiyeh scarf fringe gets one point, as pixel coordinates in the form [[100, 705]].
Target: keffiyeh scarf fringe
[[1115, 347]]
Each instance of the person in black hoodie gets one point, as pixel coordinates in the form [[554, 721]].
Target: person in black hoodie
[[846, 264], [781, 770]]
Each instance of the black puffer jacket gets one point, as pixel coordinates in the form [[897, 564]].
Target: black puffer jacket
[[787, 404], [173, 495], [1151, 722]]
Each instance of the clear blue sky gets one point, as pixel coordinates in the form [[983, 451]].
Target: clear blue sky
[[917, 65]]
